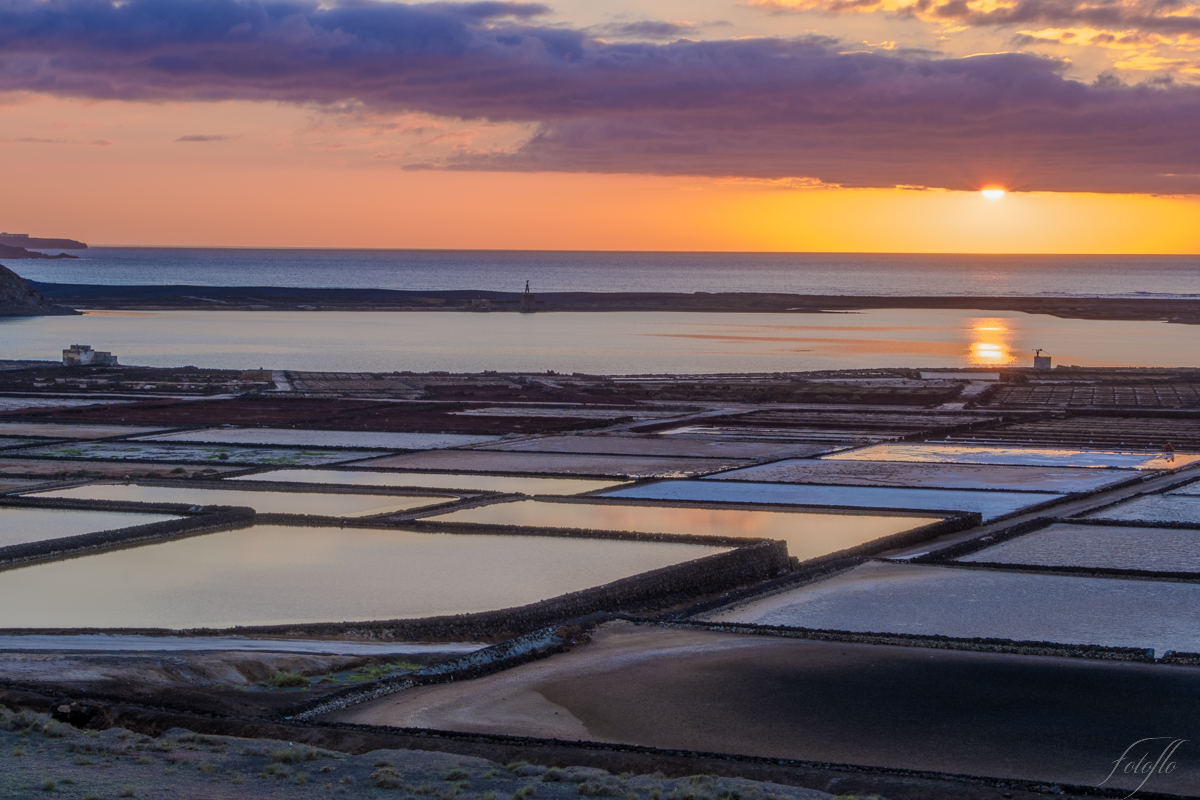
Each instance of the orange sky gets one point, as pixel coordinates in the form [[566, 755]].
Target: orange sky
[[287, 178]]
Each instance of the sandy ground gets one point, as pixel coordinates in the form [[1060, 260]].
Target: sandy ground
[[15, 485], [942, 476], [41, 758], [944, 601], [562, 463], [658, 446], [983, 714]]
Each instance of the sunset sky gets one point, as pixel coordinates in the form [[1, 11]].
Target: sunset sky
[[868, 125]]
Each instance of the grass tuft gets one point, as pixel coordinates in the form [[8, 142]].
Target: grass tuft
[[286, 680]]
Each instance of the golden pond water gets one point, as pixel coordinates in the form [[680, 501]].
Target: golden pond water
[[807, 534], [274, 574]]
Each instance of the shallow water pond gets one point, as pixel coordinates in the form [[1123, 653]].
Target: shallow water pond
[[269, 574], [330, 505], [807, 535], [1031, 456], [436, 480], [24, 525]]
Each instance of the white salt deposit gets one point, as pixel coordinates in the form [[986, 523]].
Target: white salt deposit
[[1154, 508], [989, 504], [904, 598], [1103, 546]]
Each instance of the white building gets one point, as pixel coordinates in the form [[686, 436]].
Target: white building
[[82, 355]]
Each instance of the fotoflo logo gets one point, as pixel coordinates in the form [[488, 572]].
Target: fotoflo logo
[[1147, 758]]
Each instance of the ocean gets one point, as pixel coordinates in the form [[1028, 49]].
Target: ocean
[[800, 273], [614, 342]]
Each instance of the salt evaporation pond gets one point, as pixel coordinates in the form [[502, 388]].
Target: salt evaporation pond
[[13, 441], [24, 525], [989, 504], [557, 463], [264, 502], [944, 601], [1191, 489], [468, 482], [195, 452], [292, 437], [272, 575], [656, 446], [1154, 508], [1101, 546], [1028, 456], [59, 430], [807, 535], [942, 476]]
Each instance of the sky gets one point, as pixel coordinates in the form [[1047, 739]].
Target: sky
[[811, 125]]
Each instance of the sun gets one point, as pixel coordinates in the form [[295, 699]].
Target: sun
[[993, 194]]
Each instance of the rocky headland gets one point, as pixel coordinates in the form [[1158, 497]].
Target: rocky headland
[[18, 299], [13, 252]]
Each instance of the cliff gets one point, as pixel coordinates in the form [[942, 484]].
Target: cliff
[[17, 299], [8, 251], [30, 241]]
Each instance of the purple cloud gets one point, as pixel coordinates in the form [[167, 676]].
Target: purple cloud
[[1162, 16], [644, 29], [204, 138], [767, 108]]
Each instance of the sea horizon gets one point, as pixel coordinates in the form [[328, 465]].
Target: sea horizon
[[846, 274]]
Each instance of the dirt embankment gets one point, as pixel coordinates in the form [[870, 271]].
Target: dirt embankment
[[316, 299]]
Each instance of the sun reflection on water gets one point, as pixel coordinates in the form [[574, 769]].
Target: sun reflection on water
[[990, 343]]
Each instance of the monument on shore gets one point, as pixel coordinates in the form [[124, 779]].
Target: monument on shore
[[527, 300]]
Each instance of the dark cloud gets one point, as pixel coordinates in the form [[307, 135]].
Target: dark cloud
[[765, 108], [1159, 16], [203, 138], [643, 29]]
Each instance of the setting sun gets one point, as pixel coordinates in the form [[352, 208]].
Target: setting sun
[[993, 194]]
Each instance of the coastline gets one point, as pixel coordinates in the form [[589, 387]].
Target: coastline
[[262, 298]]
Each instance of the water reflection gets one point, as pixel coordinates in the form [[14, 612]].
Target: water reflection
[[990, 343], [807, 534], [24, 525], [273, 574], [602, 342]]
